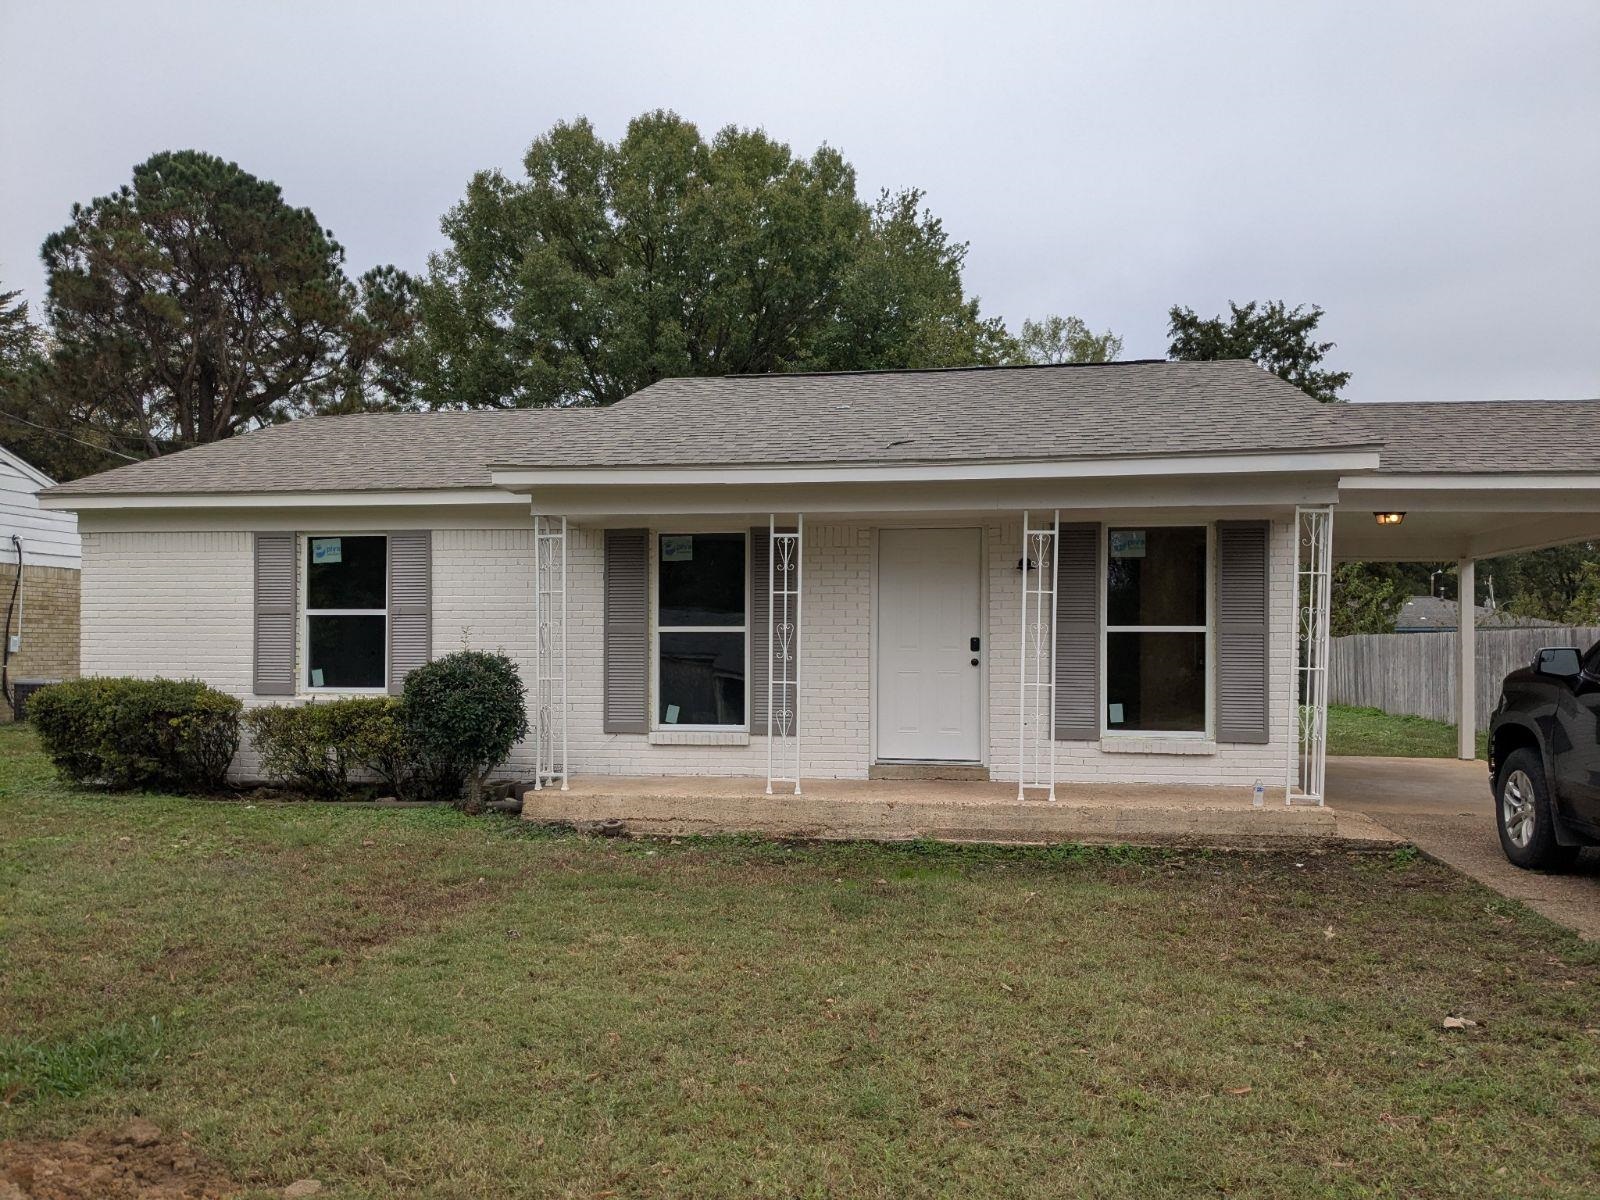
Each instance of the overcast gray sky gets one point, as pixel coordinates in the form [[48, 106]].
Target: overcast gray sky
[[1429, 173]]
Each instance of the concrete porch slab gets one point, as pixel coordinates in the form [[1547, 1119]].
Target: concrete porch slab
[[942, 810]]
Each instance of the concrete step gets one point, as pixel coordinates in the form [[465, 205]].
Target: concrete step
[[962, 772]]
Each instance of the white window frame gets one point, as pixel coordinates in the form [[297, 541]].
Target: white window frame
[[303, 569], [1107, 730], [657, 725]]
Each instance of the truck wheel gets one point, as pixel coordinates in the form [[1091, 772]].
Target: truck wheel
[[1522, 813]]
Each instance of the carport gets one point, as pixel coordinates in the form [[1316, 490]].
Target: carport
[[1459, 482]]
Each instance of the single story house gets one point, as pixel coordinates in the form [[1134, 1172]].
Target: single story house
[[1431, 614], [1049, 574], [39, 573]]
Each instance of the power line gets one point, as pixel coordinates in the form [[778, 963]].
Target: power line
[[61, 433]]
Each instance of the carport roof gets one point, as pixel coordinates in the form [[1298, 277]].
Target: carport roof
[[1523, 437]]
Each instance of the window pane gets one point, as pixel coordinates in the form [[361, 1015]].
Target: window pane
[[345, 651], [1156, 681], [1156, 577], [346, 572], [701, 579], [702, 679]]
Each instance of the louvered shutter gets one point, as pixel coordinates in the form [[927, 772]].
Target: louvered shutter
[[760, 607], [1078, 633], [1243, 626], [410, 604], [627, 632], [274, 614]]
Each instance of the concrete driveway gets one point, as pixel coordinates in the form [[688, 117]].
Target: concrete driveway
[[1444, 807]]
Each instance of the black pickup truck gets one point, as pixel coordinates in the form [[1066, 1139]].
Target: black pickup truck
[[1544, 758]]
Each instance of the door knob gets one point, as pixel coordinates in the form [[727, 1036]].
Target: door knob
[[974, 662]]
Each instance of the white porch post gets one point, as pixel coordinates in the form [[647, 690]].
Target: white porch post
[[550, 651], [1466, 660], [1308, 688], [1036, 666], [785, 551]]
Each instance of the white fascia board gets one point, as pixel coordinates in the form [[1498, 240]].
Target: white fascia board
[[1328, 461], [1470, 482], [438, 497]]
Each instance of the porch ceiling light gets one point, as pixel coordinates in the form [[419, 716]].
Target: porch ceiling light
[[1390, 518]]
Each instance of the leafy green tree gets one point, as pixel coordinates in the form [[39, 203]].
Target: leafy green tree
[[609, 266], [192, 305], [30, 425], [1065, 340], [901, 304], [21, 342], [1555, 584], [375, 366], [1366, 598], [21, 353], [1585, 606], [1272, 335]]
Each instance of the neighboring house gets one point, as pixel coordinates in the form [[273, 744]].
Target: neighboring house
[[1430, 614], [39, 603], [841, 557]]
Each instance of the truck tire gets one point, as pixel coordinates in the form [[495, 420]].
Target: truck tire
[[1523, 816]]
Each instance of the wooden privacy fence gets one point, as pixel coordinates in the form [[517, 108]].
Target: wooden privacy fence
[[1415, 673]]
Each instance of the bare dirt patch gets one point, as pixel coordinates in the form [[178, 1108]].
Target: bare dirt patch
[[136, 1162]]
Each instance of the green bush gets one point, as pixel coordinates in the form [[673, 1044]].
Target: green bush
[[461, 716], [178, 735], [314, 748]]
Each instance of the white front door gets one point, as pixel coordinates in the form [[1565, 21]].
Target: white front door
[[930, 678]]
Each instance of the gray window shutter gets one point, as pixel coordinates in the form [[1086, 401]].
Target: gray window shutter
[[410, 604], [1078, 633], [760, 606], [627, 631], [1243, 625], [274, 614]]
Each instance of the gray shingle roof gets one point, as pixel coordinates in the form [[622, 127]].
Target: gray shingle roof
[[1504, 436], [366, 452], [1115, 410]]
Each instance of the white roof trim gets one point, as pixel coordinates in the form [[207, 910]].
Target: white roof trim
[[27, 468], [434, 498], [1102, 468], [1470, 481]]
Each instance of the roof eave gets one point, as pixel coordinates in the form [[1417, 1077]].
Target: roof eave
[[57, 500], [1328, 460]]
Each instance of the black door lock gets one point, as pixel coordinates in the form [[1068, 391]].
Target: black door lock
[[976, 643]]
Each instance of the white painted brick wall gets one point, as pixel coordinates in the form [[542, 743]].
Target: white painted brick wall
[[835, 637], [179, 604], [1233, 764], [483, 600], [172, 604]]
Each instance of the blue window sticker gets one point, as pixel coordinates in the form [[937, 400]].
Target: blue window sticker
[[1127, 543]]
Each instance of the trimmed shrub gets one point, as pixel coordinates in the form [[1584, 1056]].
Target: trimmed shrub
[[314, 748], [120, 733], [461, 715]]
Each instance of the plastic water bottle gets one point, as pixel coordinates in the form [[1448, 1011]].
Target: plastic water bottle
[[1259, 797]]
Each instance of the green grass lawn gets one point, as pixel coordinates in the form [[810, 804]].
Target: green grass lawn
[[412, 1003], [1373, 731]]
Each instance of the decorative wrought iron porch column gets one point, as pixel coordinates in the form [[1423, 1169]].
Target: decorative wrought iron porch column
[[1036, 670], [783, 651], [550, 651], [1308, 689]]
